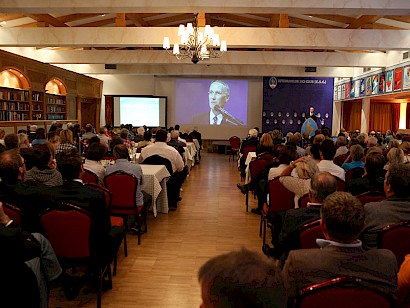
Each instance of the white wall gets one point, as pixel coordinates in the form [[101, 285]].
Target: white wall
[[165, 86]]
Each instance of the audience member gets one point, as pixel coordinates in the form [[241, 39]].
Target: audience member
[[66, 141], [146, 141], [341, 146], [373, 177], [92, 163], [356, 154], [2, 134], [305, 168], [23, 141], [327, 152], [342, 219], [394, 209], [124, 136], [11, 142], [294, 139], [44, 171], [89, 132], [104, 139], [241, 279], [395, 156], [122, 163], [35, 250], [40, 137], [322, 185], [403, 279], [285, 156], [405, 146], [175, 143]]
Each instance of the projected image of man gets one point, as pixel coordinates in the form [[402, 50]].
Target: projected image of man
[[218, 96]]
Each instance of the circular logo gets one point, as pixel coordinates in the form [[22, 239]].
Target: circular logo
[[273, 83]]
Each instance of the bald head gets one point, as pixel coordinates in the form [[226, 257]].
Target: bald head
[[323, 184]]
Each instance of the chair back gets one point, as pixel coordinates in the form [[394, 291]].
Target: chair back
[[107, 193], [280, 198], [354, 173], [308, 234], [257, 166], [248, 149], [123, 187], [303, 201], [396, 237], [68, 229], [89, 177], [371, 196], [343, 292], [341, 185], [159, 160], [235, 143], [13, 212]]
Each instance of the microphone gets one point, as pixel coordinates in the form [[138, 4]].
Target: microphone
[[228, 117]]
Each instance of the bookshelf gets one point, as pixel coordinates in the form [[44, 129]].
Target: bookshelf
[[56, 108], [37, 105], [14, 104]]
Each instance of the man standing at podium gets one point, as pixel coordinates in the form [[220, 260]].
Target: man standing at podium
[[312, 114]]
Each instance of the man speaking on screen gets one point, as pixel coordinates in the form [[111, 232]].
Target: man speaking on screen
[[218, 96]]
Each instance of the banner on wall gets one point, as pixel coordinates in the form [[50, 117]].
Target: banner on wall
[[287, 100]]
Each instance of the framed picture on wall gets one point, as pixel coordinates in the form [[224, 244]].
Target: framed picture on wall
[[357, 88], [335, 93], [362, 87], [343, 93], [352, 88], [368, 85], [347, 93], [339, 92], [382, 83], [389, 81], [406, 77], [398, 78], [375, 84]]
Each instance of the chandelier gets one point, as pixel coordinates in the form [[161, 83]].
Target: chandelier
[[195, 44]]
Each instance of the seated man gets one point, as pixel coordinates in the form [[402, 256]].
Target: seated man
[[327, 152], [342, 253], [394, 209], [70, 164], [241, 279], [122, 163], [33, 249], [322, 185], [175, 143], [45, 170], [163, 150], [88, 132]]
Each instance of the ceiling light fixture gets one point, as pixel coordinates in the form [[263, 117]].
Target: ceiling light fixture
[[195, 44]]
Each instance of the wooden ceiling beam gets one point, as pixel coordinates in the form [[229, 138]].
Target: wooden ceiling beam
[[7, 17], [362, 20], [75, 17], [137, 19], [47, 18], [310, 23], [283, 21], [120, 20], [176, 19], [243, 19], [274, 21], [98, 23], [336, 18]]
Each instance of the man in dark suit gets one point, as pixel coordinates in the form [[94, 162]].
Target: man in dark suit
[[342, 253], [73, 191], [218, 96], [322, 185]]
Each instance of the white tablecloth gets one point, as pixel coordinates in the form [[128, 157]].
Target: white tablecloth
[[251, 156], [155, 183], [190, 150]]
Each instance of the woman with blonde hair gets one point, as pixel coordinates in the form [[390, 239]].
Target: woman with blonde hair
[[305, 168], [66, 141], [395, 156], [405, 146], [265, 144]]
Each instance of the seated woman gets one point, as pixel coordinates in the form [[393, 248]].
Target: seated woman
[[40, 137], [94, 154], [405, 146], [305, 168], [265, 145], [395, 156], [66, 141]]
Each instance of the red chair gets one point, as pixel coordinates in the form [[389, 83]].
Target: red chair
[[308, 234], [89, 177], [371, 196], [69, 229], [246, 151], [303, 201], [396, 237], [256, 167], [354, 174], [343, 292], [235, 143], [115, 220], [14, 213], [280, 199], [123, 187]]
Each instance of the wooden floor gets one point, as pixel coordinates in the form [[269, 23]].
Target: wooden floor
[[162, 271]]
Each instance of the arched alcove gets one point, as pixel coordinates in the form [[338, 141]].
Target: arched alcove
[[56, 86], [12, 78]]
